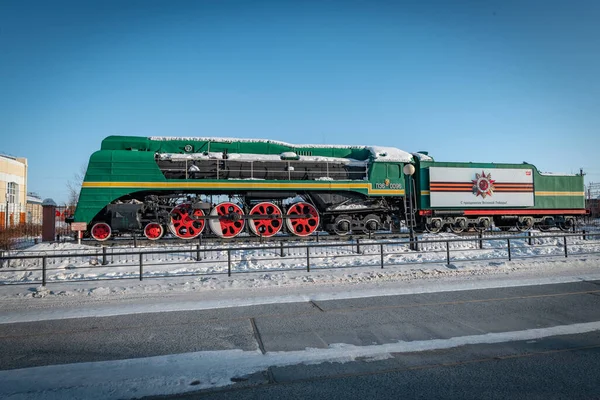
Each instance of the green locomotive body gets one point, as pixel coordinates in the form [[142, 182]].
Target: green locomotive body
[[139, 184], [127, 171]]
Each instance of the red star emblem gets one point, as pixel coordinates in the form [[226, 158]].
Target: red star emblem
[[483, 185]]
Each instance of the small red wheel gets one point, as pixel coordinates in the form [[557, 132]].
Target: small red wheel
[[153, 231], [266, 227], [307, 219], [230, 224], [101, 231], [183, 225]]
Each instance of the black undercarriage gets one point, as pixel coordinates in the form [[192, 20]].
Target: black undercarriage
[[339, 213]]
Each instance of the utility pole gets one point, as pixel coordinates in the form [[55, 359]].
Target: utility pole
[[6, 208], [409, 170]]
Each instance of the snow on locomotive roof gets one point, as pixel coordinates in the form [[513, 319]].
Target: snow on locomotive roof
[[379, 153], [556, 174], [422, 157], [256, 157]]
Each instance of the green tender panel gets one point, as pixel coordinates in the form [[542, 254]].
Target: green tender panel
[[559, 184], [542, 183], [250, 147]]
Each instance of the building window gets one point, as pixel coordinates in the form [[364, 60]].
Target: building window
[[12, 193]]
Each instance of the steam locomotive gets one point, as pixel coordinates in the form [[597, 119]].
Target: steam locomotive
[[223, 187]]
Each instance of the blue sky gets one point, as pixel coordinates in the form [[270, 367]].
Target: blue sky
[[497, 81]]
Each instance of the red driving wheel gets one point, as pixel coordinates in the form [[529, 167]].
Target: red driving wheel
[[230, 222], [307, 219], [266, 227], [186, 226], [101, 231]]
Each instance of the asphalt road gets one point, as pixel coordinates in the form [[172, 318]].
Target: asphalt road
[[561, 366], [564, 367]]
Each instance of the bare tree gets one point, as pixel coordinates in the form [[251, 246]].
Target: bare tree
[[74, 186]]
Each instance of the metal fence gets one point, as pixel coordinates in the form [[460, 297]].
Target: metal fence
[[22, 225], [63, 229], [19, 224], [43, 267]]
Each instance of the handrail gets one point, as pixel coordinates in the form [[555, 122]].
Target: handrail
[[291, 251]]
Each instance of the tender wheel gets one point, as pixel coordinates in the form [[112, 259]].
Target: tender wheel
[[153, 231], [546, 225], [458, 226], [482, 225], [230, 222], [269, 226], [101, 231], [303, 219], [525, 225], [434, 226], [567, 224], [183, 225]]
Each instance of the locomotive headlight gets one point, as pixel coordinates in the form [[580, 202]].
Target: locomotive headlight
[[188, 148], [408, 169]]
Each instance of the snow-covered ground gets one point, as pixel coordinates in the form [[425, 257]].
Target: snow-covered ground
[[263, 276], [72, 262]]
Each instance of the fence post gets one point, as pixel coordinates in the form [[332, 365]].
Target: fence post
[[529, 238], [416, 244], [480, 234], [200, 239], [104, 261], [197, 252], [44, 271], [381, 251], [228, 262], [141, 267], [509, 255], [134, 240], [358, 246], [307, 259], [317, 236], [281, 254], [584, 234], [1, 259], [447, 252], [565, 243]]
